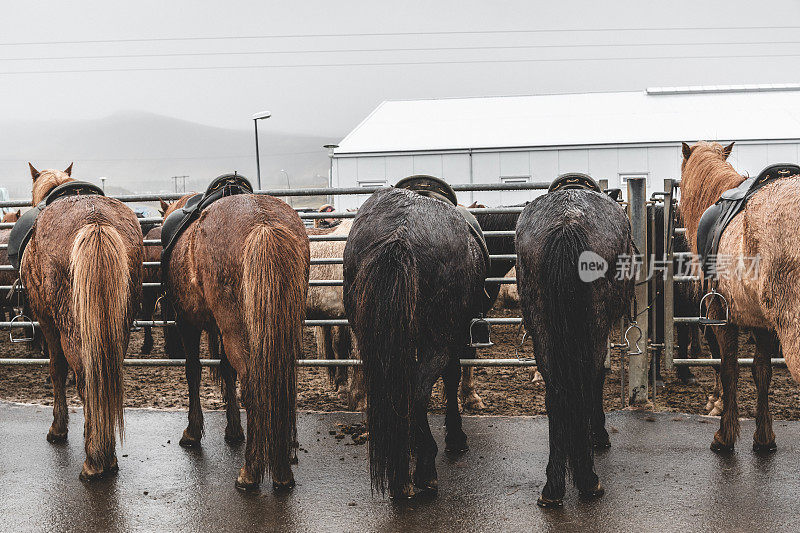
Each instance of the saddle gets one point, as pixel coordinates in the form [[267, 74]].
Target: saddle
[[732, 202], [577, 180], [180, 219], [440, 190], [23, 228]]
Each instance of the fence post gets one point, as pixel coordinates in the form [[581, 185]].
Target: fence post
[[669, 283], [639, 364]]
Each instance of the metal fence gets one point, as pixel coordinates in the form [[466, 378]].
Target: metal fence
[[637, 390]]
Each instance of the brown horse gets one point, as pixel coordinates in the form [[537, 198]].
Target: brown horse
[[82, 270], [243, 267], [767, 302]]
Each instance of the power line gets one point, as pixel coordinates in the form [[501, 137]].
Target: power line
[[399, 34], [414, 49], [399, 63]]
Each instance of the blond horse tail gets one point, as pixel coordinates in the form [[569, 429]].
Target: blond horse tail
[[100, 301], [274, 286]]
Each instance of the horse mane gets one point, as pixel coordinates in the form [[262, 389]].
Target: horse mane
[[46, 181], [705, 175]]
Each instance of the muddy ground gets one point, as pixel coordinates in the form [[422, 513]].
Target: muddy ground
[[505, 391]]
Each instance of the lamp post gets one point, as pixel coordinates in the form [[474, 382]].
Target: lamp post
[[330, 148], [288, 186], [103, 183], [256, 118]]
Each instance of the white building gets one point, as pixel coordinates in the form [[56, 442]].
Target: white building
[[535, 138]]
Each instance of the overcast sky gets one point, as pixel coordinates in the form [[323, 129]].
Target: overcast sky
[[321, 66]]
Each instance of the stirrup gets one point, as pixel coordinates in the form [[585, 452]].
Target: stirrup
[[704, 319], [479, 330], [638, 350], [21, 339]]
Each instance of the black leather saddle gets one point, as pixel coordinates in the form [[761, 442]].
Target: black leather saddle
[[177, 222], [732, 202], [577, 180], [23, 228], [439, 189]]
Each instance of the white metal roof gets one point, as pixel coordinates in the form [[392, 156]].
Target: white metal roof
[[576, 119]]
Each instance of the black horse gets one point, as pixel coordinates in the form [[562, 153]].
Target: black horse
[[570, 320], [413, 278]]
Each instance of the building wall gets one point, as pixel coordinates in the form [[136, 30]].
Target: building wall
[[656, 163]]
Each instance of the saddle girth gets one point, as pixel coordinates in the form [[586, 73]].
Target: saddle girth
[[732, 202], [23, 229]]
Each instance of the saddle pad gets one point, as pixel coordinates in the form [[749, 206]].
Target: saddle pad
[[732, 202], [23, 228], [180, 219]]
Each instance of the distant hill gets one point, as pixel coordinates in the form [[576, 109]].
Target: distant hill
[[139, 152]]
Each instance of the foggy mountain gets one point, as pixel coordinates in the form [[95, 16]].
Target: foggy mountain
[[139, 152]]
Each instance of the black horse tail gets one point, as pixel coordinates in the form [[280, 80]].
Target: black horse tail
[[570, 366], [385, 302]]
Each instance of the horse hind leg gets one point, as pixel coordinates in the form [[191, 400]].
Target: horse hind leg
[[455, 438], [234, 434], [469, 397], [59, 369], [766, 347], [190, 339], [423, 445], [725, 437]]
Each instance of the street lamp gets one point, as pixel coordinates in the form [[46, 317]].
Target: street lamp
[[103, 183], [330, 148], [256, 118], [288, 186]]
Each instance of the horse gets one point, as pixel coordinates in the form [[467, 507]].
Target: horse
[[82, 269], [243, 266], [334, 342], [570, 321], [413, 280], [767, 302]]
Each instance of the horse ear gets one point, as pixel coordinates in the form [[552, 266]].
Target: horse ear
[[687, 150], [727, 150], [68, 172], [19, 213], [164, 206], [34, 172]]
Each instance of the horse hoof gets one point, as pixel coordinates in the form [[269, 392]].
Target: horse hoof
[[187, 441], [246, 486], [596, 492], [547, 503], [232, 437], [428, 490], [765, 448], [283, 486], [461, 447], [718, 447], [601, 444], [56, 438], [473, 403], [90, 475]]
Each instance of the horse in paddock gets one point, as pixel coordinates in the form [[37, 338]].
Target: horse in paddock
[[242, 266], [82, 269], [413, 279], [767, 302], [334, 342], [570, 321]]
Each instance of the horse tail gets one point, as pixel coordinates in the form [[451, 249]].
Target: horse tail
[[101, 303], [385, 302], [274, 284], [570, 368]]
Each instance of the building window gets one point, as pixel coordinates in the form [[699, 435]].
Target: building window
[[372, 183], [623, 178], [515, 179]]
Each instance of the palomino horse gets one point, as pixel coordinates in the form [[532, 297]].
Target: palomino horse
[[769, 301], [242, 266], [413, 279], [82, 270], [569, 320]]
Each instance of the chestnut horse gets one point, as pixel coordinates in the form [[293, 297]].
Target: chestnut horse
[[82, 270], [243, 266], [767, 302]]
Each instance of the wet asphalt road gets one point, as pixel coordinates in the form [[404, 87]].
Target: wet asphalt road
[[659, 475]]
